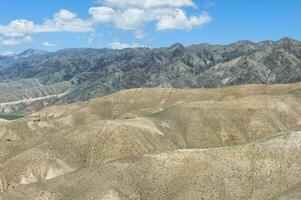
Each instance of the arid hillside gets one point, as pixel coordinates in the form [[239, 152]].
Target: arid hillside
[[241, 142]]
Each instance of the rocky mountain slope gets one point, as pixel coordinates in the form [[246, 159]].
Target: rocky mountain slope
[[83, 74], [239, 142], [10, 57]]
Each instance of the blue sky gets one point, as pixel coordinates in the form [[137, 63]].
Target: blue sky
[[56, 24]]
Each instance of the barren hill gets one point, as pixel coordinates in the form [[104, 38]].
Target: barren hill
[[239, 142]]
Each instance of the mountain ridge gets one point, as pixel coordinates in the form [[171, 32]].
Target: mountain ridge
[[90, 73]]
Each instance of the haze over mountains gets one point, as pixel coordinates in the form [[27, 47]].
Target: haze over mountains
[[34, 79]]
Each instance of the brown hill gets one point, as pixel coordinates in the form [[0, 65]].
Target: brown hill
[[239, 142]]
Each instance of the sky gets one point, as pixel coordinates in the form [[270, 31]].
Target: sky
[[117, 24]]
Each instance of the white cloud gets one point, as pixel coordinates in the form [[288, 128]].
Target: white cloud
[[17, 28], [131, 19], [147, 3], [118, 45], [130, 15], [12, 41], [20, 30], [102, 14], [63, 21], [48, 44], [66, 21], [134, 15], [181, 21], [64, 15]]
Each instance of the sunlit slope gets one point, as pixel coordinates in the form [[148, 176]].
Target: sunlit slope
[[262, 169], [81, 137]]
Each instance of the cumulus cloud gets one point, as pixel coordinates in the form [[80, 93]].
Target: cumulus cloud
[[102, 14], [20, 30], [134, 15], [118, 45], [63, 21], [181, 21], [131, 19], [130, 15], [66, 21]]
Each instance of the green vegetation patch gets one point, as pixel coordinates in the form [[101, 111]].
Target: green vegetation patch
[[10, 116]]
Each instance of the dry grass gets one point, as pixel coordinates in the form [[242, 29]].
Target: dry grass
[[158, 144]]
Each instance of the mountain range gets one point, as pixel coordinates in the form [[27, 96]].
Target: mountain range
[[35, 78], [198, 122]]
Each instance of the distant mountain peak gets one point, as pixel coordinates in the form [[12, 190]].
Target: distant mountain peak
[[8, 54], [32, 52], [286, 39], [177, 46], [243, 43]]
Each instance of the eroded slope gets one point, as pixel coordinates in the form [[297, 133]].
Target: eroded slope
[[114, 139]]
